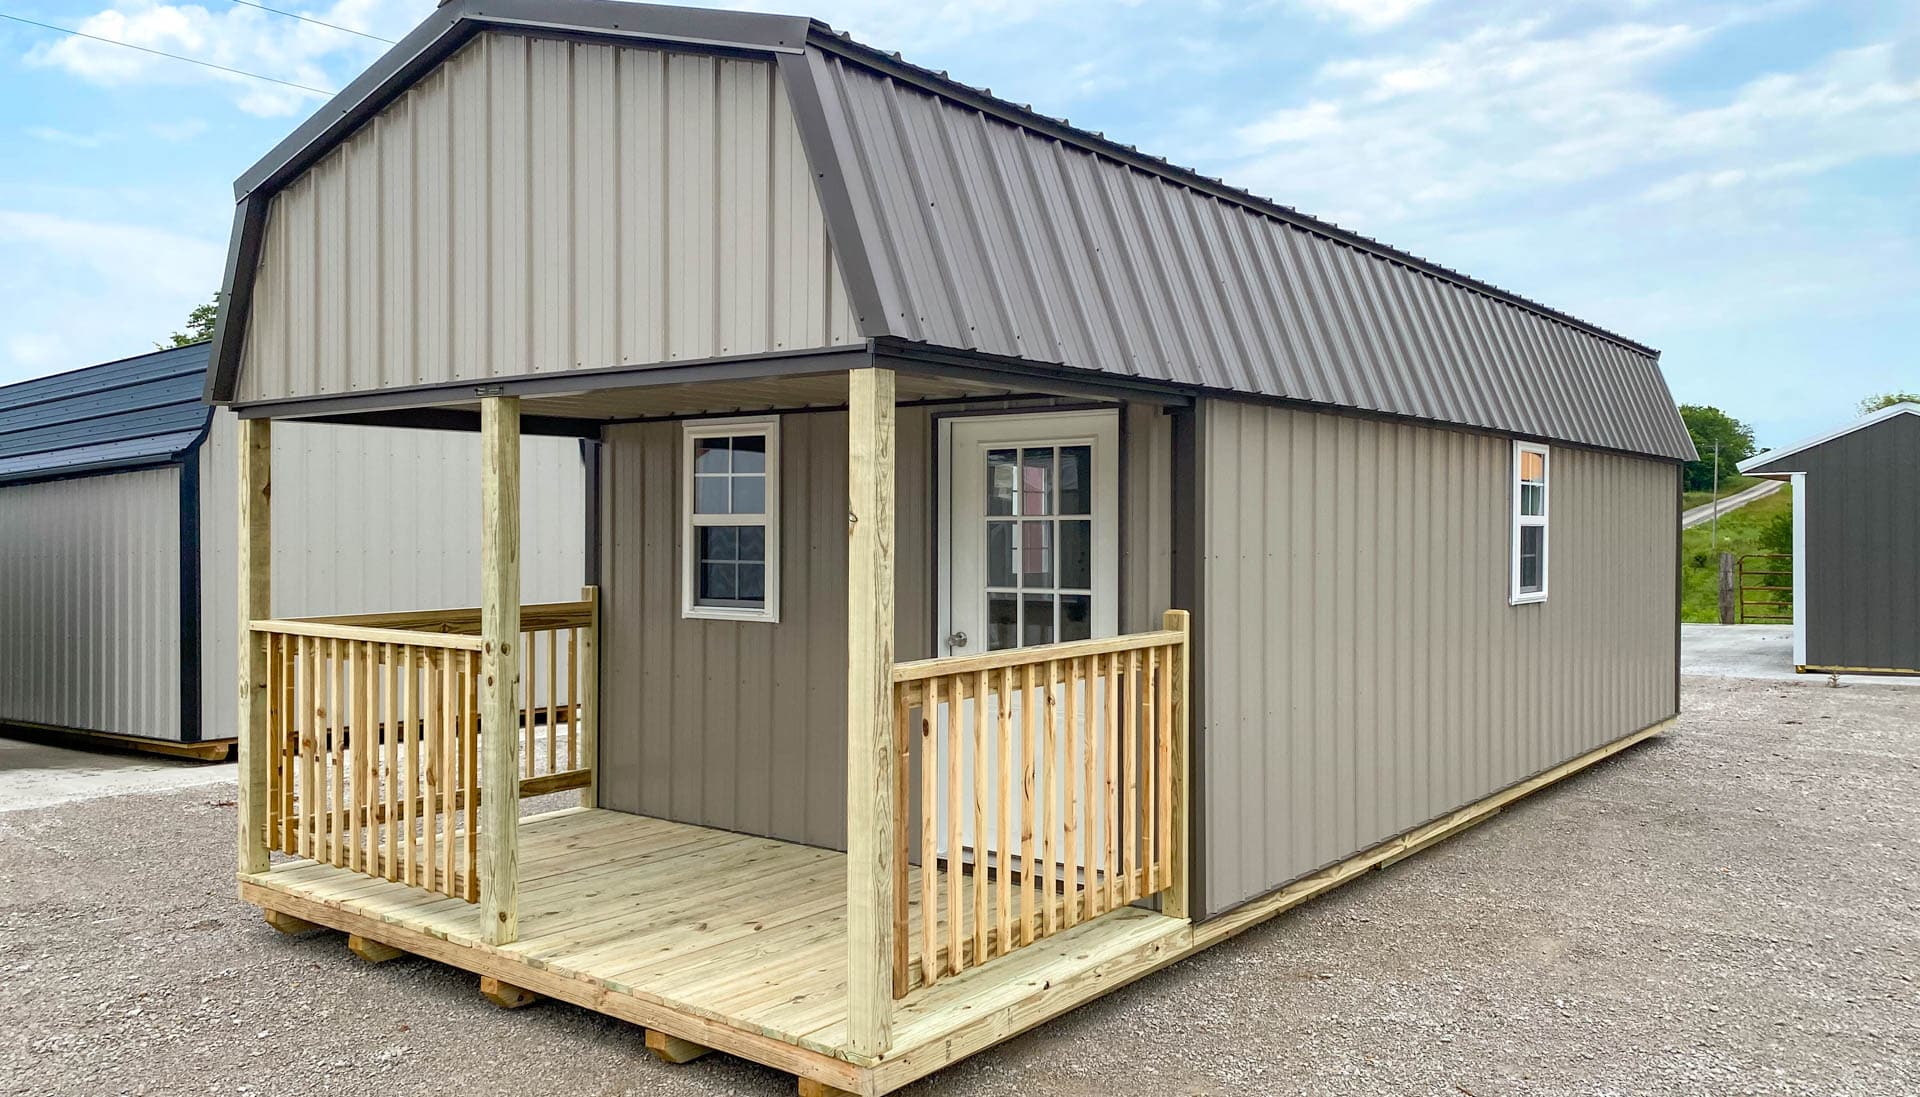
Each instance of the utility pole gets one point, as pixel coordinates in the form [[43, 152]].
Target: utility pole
[[1716, 499]]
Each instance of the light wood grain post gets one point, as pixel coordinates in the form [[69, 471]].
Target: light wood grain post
[[500, 637], [871, 752], [1176, 903], [589, 729], [255, 559]]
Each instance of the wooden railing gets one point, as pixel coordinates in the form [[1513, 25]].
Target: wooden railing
[[1049, 790], [374, 735]]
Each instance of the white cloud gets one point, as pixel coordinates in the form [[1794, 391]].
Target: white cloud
[[1366, 15], [184, 129], [237, 37], [62, 137]]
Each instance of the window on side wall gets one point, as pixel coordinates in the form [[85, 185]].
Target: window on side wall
[[730, 540], [1530, 478]]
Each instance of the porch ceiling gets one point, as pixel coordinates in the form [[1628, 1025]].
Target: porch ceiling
[[825, 390]]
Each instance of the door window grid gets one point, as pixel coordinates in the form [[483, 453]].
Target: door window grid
[[1039, 530]]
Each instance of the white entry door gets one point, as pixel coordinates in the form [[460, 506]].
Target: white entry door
[[1028, 555]]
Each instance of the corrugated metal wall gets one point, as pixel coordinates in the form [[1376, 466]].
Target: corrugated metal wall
[[1862, 505], [90, 603], [539, 205], [989, 236], [742, 725], [1361, 671], [367, 519]]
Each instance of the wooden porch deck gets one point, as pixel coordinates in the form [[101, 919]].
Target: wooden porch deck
[[730, 941]]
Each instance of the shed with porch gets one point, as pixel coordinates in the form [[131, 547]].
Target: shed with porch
[[117, 573], [1021, 561], [1856, 543]]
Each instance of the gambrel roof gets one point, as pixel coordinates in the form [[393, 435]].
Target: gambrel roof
[[966, 223]]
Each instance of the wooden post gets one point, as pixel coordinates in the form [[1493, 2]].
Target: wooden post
[[499, 634], [255, 559], [870, 748], [1726, 588], [589, 729], [1176, 902]]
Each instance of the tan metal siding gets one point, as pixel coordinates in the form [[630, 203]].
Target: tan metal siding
[[1361, 671], [989, 236], [538, 205], [90, 603], [369, 519], [742, 725]]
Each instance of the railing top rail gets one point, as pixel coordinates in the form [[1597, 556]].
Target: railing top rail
[[325, 630], [1040, 653], [533, 617]]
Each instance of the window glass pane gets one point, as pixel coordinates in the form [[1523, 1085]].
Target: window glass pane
[[719, 543], [1533, 466], [710, 494], [1036, 624], [1076, 554], [710, 454], [1076, 617], [1036, 482], [1036, 554], [1533, 499], [1003, 621], [753, 542], [753, 582], [749, 495], [1532, 538], [1000, 563], [750, 453], [717, 582], [1000, 481], [1076, 480]]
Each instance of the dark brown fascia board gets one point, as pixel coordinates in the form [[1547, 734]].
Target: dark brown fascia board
[[894, 67], [236, 298], [458, 419], [416, 397]]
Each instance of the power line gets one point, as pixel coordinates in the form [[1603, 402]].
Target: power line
[[163, 53], [315, 22]]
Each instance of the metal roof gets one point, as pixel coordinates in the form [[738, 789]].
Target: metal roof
[[964, 221], [127, 414], [1767, 464]]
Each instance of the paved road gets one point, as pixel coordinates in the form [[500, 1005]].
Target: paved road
[[1705, 511]]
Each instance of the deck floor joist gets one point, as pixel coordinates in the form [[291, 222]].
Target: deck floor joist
[[727, 940]]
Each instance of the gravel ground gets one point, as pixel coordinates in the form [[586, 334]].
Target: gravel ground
[[1733, 908]]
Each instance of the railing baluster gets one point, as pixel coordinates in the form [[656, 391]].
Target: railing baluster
[[1028, 703], [528, 685], [410, 721], [902, 900], [470, 750], [980, 817], [1130, 836], [430, 736], [1070, 811], [1163, 695], [1110, 778], [389, 745], [1149, 781], [553, 689], [1047, 799], [956, 756], [929, 839], [1002, 835], [450, 707], [573, 698]]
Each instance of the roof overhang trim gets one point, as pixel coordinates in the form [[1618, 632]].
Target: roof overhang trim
[[1758, 464]]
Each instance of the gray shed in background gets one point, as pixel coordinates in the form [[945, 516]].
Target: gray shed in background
[[1856, 543], [118, 534]]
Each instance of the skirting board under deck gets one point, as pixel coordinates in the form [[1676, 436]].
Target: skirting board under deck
[[943, 1024]]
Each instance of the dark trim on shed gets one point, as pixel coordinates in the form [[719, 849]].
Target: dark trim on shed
[[1189, 577], [192, 707]]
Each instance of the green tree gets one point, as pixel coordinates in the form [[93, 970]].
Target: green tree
[[199, 326], [1886, 400], [1708, 425]]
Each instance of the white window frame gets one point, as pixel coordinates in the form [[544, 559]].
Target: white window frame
[[1515, 596], [767, 426]]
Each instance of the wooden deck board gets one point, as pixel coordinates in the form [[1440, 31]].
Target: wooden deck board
[[727, 933]]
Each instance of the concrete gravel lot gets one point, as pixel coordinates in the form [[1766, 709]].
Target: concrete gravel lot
[[1732, 908]]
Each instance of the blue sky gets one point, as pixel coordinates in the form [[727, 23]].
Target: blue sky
[[1737, 184]]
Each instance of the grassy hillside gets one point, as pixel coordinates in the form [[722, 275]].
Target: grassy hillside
[[1741, 531], [1732, 485]]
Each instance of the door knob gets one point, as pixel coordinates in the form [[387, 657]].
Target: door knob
[[957, 640]]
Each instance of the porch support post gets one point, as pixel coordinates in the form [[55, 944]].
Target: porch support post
[[499, 667], [255, 560], [870, 747]]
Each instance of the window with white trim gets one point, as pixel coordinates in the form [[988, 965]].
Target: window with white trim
[[1530, 472], [730, 499]]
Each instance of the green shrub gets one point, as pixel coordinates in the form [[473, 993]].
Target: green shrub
[[1776, 535]]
